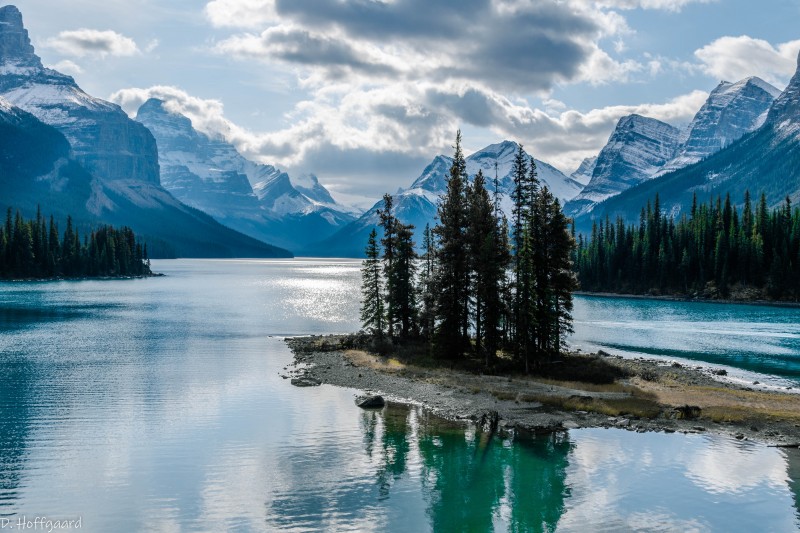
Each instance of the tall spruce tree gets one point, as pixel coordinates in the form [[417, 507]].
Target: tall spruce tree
[[452, 275], [485, 272], [524, 195], [372, 308], [388, 225], [555, 279], [426, 288], [402, 299]]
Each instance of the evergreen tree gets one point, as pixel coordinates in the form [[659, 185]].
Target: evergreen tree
[[389, 226], [372, 309], [402, 298], [714, 250], [452, 275], [481, 238], [427, 290]]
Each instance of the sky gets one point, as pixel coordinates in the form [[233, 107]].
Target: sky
[[364, 93]]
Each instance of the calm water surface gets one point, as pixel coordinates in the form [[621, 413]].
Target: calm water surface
[[753, 341], [157, 405]]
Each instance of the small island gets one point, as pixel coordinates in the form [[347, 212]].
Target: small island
[[575, 391], [36, 250], [475, 327]]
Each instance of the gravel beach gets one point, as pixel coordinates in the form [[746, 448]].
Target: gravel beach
[[687, 399]]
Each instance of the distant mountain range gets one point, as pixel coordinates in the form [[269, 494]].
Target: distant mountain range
[[417, 205], [641, 149], [258, 200], [765, 160], [86, 158], [192, 194]]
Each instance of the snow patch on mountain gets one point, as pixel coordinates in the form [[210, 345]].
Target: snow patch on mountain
[[636, 150], [731, 111]]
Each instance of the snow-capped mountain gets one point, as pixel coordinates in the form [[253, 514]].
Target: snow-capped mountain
[[104, 140], [209, 174], [784, 115], [195, 168], [636, 150], [731, 111], [108, 172], [417, 205], [584, 173], [766, 160]]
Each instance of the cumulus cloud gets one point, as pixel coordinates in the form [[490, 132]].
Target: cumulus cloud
[[87, 42], [734, 58], [353, 136], [389, 81], [240, 13], [207, 115], [68, 67], [522, 46]]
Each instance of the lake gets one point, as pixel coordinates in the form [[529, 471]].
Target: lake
[[158, 405]]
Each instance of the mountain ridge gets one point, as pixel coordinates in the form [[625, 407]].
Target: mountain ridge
[[109, 171]]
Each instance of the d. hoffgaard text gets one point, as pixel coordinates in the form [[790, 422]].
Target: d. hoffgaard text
[[40, 523]]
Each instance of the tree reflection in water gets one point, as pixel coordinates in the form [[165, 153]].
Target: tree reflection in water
[[470, 482]]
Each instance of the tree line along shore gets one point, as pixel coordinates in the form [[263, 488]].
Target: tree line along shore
[[35, 249]]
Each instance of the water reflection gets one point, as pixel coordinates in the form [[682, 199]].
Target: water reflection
[[157, 405], [622, 481], [468, 481], [15, 420]]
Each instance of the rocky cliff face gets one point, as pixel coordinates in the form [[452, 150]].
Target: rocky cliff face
[[765, 161], [104, 139], [784, 115], [210, 174], [584, 173], [193, 166], [636, 150], [731, 111]]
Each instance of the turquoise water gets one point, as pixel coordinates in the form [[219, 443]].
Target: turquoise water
[[157, 405], [752, 338]]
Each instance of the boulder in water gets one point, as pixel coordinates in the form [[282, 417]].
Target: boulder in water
[[370, 402]]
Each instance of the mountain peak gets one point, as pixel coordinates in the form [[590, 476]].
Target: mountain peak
[[755, 81], [15, 44], [499, 150], [155, 115], [634, 120], [152, 105], [787, 105]]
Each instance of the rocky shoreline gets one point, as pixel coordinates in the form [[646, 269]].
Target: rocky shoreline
[[686, 399]]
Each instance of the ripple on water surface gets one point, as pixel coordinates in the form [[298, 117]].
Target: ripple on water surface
[[157, 405]]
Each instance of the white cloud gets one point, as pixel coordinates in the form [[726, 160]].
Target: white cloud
[[734, 58], [398, 78], [207, 115], [87, 42], [522, 46], [240, 13], [68, 67], [664, 5], [350, 134]]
